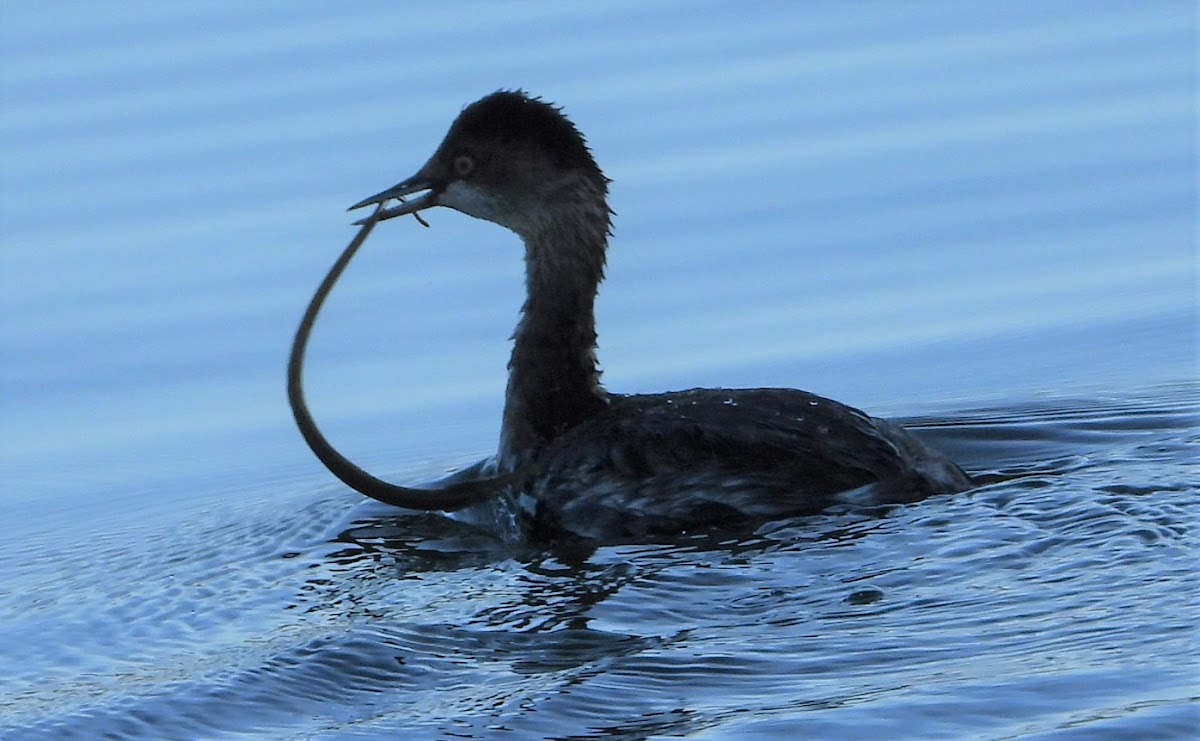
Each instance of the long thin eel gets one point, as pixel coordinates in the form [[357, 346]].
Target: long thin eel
[[452, 497]]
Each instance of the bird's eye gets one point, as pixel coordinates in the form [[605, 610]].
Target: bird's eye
[[464, 165]]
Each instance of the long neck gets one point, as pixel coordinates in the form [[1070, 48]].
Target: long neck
[[553, 382]]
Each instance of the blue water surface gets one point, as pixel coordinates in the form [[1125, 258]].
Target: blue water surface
[[978, 217]]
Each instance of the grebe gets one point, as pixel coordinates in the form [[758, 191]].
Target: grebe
[[587, 462]]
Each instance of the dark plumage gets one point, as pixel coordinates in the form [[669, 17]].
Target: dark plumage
[[607, 466], [508, 120], [661, 463]]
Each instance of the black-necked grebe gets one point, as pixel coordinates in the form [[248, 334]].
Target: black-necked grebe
[[588, 462]]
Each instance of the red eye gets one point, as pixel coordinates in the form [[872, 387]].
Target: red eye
[[464, 165]]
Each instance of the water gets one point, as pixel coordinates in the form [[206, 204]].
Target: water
[[978, 218]]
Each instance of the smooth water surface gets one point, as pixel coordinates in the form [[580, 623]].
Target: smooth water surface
[[979, 217]]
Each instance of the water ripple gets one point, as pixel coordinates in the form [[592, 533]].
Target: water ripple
[[1046, 581]]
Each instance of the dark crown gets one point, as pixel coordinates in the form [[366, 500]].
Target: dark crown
[[509, 117]]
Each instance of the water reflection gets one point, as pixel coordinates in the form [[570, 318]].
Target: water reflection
[[423, 624]]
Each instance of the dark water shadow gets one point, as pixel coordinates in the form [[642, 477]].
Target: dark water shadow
[[430, 623]]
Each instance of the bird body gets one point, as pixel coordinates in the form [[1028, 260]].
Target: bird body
[[590, 463], [660, 463]]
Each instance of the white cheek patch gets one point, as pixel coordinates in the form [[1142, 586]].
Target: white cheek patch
[[475, 201], [472, 201]]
